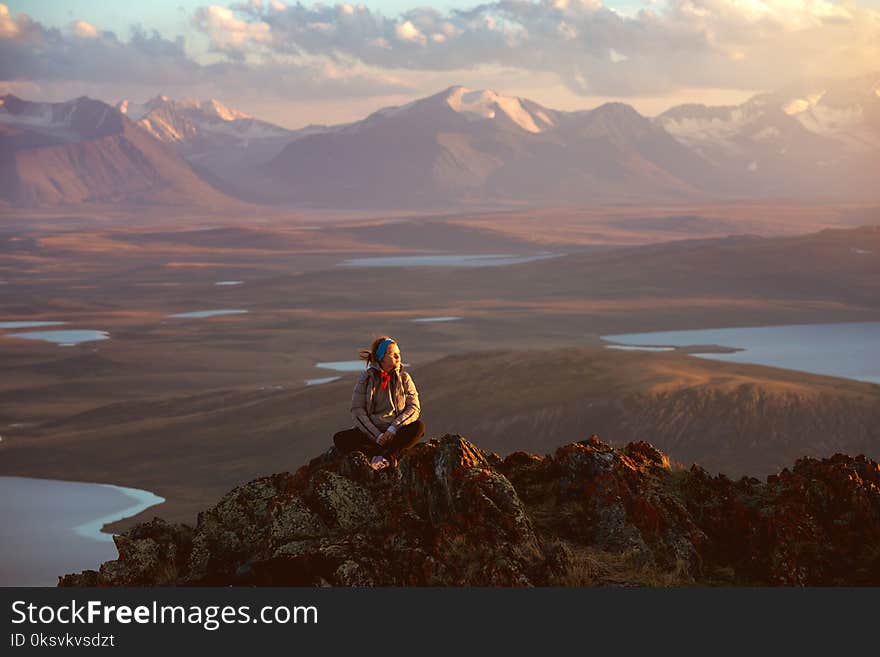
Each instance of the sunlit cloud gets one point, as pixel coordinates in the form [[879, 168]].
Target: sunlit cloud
[[81, 53], [30, 51], [551, 50], [83, 30], [406, 31], [9, 27], [590, 47], [228, 33]]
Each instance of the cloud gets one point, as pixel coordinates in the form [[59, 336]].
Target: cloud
[[228, 33], [84, 54], [406, 31], [83, 30], [592, 48], [9, 27], [30, 51], [320, 51], [316, 79]]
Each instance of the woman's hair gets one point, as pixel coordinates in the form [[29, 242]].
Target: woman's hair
[[369, 355]]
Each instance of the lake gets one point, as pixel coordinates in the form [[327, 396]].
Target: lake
[[65, 338], [475, 260], [343, 365], [52, 528], [317, 382], [207, 313], [850, 350], [443, 318], [21, 325], [629, 347]]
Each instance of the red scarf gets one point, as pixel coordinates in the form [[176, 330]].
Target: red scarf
[[386, 377]]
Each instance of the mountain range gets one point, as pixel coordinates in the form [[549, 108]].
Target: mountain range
[[458, 147], [85, 151], [794, 143]]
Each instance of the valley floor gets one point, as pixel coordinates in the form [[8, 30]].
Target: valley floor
[[187, 407]]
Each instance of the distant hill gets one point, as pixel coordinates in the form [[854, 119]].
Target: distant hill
[[741, 278], [85, 151]]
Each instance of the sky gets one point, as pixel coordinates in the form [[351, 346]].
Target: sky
[[301, 63]]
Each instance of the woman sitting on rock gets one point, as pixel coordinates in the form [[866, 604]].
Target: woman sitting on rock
[[385, 408]]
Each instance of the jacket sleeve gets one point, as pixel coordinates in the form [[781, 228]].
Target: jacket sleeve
[[359, 407], [411, 409]]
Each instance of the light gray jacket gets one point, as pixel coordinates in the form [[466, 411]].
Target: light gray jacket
[[404, 396]]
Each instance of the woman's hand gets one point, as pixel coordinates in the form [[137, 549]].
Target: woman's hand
[[384, 438]]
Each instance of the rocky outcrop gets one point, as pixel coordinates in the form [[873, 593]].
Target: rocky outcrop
[[451, 514], [816, 524]]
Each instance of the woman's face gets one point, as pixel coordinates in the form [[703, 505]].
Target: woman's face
[[392, 358]]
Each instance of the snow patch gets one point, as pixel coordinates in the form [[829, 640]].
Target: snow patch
[[174, 121], [546, 119], [796, 106], [799, 105], [690, 129], [217, 109], [133, 111], [828, 121], [484, 104]]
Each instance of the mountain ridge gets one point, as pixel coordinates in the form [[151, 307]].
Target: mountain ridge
[[85, 151], [196, 127], [427, 152]]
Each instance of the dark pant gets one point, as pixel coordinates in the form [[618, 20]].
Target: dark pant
[[355, 440]]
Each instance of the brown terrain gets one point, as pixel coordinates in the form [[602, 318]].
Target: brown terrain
[[188, 408]]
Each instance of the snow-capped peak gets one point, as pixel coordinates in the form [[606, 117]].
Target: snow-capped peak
[[799, 105], [197, 125], [134, 111], [840, 112], [486, 104], [208, 109], [217, 109]]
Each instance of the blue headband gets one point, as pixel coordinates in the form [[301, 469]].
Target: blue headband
[[382, 348]]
